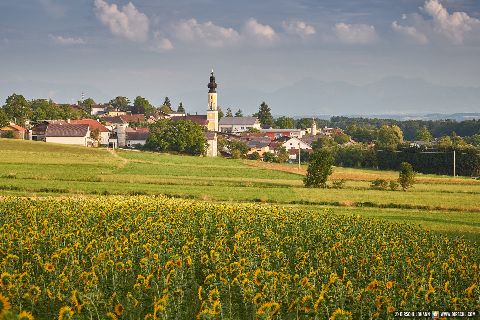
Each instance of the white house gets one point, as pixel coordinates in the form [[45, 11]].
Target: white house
[[98, 110], [68, 133], [293, 144], [238, 124], [136, 136], [95, 125], [278, 133]]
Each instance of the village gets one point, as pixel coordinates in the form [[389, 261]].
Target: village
[[112, 128]]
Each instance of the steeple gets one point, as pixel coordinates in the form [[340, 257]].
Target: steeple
[[212, 85]]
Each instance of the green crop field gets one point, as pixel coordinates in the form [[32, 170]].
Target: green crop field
[[442, 204], [96, 234]]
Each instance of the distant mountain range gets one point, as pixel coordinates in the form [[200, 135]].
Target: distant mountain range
[[403, 117], [392, 97]]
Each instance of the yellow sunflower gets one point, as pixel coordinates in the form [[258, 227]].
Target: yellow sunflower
[[119, 309], [111, 316], [49, 267], [340, 314], [65, 313], [25, 315], [4, 303]]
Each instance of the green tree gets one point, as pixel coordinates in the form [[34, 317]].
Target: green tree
[[3, 118], [220, 113], [239, 113], [95, 135], [282, 154], [17, 109], [389, 137], [264, 115], [319, 168], [341, 138], [423, 134], [284, 123], [445, 143], [254, 156], [181, 108], [87, 104], [457, 141], [120, 103], [229, 113], [406, 176], [142, 106], [323, 142], [181, 136], [269, 157]]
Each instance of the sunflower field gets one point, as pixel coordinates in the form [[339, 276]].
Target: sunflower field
[[162, 258]]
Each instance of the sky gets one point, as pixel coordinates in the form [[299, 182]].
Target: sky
[[300, 56]]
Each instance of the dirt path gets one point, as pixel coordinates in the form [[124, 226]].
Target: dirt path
[[123, 161]]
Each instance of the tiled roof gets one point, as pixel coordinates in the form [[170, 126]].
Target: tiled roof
[[238, 121], [92, 123], [114, 120], [67, 130], [198, 119], [15, 127], [133, 117], [280, 130]]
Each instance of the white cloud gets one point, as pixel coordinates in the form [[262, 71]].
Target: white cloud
[[209, 33], [259, 32], [410, 32], [127, 22], [355, 33], [299, 28], [161, 44], [66, 40], [453, 26]]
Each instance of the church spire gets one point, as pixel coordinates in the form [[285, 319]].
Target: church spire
[[212, 85]]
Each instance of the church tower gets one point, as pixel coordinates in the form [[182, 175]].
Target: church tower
[[212, 110], [314, 127]]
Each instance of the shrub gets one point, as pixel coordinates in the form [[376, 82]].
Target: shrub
[[394, 185], [319, 168], [379, 184], [254, 156], [338, 184]]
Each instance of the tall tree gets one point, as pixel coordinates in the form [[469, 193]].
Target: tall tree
[[87, 104], [239, 113], [17, 109], [406, 176], [120, 103], [220, 113], [142, 106], [229, 113], [444, 143], [319, 168], [264, 115], [181, 108], [389, 137], [3, 118], [423, 134], [285, 123]]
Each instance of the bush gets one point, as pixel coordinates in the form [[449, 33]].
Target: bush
[[254, 156], [379, 184], [236, 154], [269, 157], [338, 184], [394, 185]]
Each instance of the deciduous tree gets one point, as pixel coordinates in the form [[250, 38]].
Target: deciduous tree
[[319, 168], [17, 109], [406, 176]]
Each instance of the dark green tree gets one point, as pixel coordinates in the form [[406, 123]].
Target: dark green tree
[[181, 108], [264, 115], [239, 113], [319, 169], [229, 113], [167, 102], [406, 176], [87, 104], [220, 113], [120, 103], [181, 136], [142, 106], [341, 138], [284, 123], [389, 137], [282, 154], [17, 109], [323, 142]]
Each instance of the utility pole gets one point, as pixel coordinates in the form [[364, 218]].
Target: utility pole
[[454, 164], [299, 156]]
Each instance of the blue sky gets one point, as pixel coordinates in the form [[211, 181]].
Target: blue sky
[[60, 48]]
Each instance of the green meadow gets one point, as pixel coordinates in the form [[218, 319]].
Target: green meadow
[[442, 204]]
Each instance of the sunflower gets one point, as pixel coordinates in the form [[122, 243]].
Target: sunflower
[[65, 313], [25, 315], [391, 309], [340, 314], [49, 267], [111, 316], [4, 303], [390, 284], [119, 309]]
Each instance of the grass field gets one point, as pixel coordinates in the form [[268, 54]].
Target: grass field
[[442, 204]]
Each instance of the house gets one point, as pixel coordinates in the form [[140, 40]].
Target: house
[[95, 125], [198, 119], [238, 124], [68, 133], [13, 131], [331, 131], [292, 146], [128, 118], [260, 145], [277, 133], [98, 110], [135, 137]]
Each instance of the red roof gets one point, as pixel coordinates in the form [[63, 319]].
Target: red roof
[[133, 117], [16, 127], [94, 124]]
